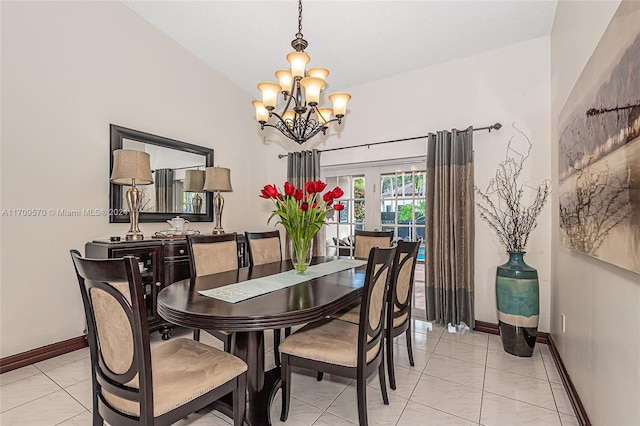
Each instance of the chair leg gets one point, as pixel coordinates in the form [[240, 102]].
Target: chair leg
[[97, 419], [196, 334], [361, 390], [239, 397], [285, 386], [228, 343], [287, 332], [390, 368], [409, 350], [276, 345], [383, 385], [319, 376]]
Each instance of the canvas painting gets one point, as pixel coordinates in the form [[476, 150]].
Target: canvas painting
[[599, 148]]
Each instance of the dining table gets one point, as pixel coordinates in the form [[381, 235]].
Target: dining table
[[312, 298]]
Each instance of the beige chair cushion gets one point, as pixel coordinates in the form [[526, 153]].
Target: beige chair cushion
[[330, 341], [212, 258], [265, 250], [353, 316], [350, 315], [364, 244], [183, 370], [113, 327], [404, 279]]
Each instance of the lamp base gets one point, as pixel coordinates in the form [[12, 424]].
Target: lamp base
[[134, 236], [218, 230]]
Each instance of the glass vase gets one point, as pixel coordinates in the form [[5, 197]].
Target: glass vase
[[301, 254]]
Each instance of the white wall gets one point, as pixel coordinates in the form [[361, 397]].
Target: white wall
[[601, 345], [506, 85], [69, 69]]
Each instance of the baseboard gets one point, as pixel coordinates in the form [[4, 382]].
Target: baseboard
[[572, 393], [40, 354], [545, 338], [491, 328]]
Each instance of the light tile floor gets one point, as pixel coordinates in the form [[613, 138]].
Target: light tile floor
[[458, 379]]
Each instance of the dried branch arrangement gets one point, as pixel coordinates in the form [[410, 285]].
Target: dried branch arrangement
[[502, 204]]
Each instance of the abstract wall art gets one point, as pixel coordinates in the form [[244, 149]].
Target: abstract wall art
[[599, 148]]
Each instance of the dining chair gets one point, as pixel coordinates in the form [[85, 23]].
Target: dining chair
[[342, 348], [363, 241], [398, 306], [133, 384], [211, 254], [264, 247]]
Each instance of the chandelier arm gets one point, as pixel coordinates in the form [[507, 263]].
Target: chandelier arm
[[307, 122], [289, 133]]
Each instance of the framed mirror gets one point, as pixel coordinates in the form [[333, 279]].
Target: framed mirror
[[173, 164]]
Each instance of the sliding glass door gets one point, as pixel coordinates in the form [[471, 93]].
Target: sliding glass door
[[386, 195]]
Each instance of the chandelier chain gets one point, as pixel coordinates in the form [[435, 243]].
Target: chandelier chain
[[300, 17]]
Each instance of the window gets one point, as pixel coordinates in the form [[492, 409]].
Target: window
[[384, 196]]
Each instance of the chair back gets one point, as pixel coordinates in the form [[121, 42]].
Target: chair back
[[364, 241], [263, 247], [376, 283], [117, 330], [211, 254], [401, 283]]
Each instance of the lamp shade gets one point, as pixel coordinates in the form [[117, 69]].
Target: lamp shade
[[218, 179], [131, 167], [193, 180]]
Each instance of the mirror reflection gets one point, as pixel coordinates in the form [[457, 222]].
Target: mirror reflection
[[168, 193], [178, 178]]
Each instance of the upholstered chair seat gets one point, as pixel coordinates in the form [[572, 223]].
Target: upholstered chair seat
[[364, 241], [343, 348], [212, 254], [263, 248], [182, 370], [398, 304], [133, 384]]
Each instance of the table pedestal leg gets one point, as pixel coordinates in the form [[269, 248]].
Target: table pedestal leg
[[261, 386]]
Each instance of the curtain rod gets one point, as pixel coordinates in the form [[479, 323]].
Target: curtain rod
[[496, 126]]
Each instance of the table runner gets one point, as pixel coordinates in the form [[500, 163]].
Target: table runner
[[244, 290]]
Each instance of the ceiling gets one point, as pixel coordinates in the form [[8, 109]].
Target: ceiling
[[359, 41]]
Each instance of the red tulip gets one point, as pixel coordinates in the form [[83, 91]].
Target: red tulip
[[337, 192], [338, 207], [320, 186], [310, 187], [328, 197], [269, 191], [304, 206], [298, 195], [289, 189]]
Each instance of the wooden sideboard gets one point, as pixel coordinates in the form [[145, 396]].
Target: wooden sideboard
[[162, 261]]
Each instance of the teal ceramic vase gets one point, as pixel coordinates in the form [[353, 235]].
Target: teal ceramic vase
[[518, 301]]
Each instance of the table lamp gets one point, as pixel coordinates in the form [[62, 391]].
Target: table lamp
[[218, 179], [132, 168], [194, 182]]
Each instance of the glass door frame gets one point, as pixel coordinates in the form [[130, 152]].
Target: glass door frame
[[372, 171]]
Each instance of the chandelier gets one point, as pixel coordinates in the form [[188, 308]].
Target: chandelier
[[301, 118]]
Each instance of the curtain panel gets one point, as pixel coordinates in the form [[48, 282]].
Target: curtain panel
[[302, 167], [449, 243], [164, 190]]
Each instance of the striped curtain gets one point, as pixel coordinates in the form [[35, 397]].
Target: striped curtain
[[450, 228], [302, 167], [164, 190]]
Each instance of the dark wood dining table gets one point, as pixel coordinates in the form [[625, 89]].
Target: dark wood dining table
[[181, 304]]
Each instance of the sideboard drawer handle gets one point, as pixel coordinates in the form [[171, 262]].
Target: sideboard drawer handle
[[181, 251], [158, 284]]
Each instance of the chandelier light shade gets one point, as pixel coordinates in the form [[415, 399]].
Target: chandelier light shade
[[302, 117]]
